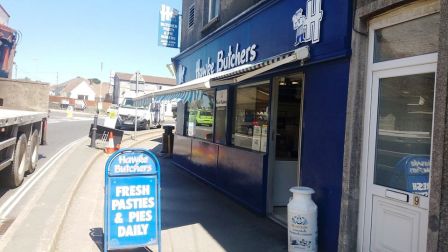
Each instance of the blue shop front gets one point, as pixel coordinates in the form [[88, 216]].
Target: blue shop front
[[271, 108]]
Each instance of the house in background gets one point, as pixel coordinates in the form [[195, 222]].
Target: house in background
[[102, 91], [124, 86], [77, 88]]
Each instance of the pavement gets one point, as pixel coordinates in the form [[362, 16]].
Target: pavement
[[195, 217]]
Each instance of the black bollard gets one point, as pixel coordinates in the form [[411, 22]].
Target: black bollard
[[167, 139], [93, 138]]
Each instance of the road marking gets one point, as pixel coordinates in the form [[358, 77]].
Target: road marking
[[73, 119], [17, 196]]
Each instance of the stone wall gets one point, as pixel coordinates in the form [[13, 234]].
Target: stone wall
[[24, 95]]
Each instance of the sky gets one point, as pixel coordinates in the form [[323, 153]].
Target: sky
[[63, 39]]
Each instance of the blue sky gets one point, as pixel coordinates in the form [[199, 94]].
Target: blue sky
[[69, 38]]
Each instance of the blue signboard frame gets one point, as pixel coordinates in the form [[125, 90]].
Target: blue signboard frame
[[132, 200], [168, 35]]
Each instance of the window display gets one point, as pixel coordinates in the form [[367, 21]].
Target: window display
[[250, 117], [200, 116]]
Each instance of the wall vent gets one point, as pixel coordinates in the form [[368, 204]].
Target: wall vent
[[191, 16]]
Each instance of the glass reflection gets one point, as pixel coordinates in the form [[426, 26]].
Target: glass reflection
[[403, 144]]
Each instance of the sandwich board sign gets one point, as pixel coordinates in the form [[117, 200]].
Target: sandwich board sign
[[132, 200]]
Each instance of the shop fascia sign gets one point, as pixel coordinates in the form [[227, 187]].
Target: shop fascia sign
[[224, 61]]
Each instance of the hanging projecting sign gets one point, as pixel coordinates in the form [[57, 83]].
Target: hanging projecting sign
[[132, 200], [307, 26], [168, 27]]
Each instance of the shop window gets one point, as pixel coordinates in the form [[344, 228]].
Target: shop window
[[250, 117], [199, 116], [221, 116], [416, 37], [213, 9]]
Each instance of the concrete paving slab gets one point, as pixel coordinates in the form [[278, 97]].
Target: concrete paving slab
[[195, 217]]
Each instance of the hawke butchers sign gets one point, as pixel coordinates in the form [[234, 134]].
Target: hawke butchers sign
[[168, 27], [132, 209]]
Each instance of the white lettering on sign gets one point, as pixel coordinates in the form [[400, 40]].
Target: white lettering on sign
[[133, 230], [132, 203], [307, 26], [140, 159], [235, 58], [181, 73], [132, 168], [202, 71], [166, 13], [133, 190], [420, 186], [132, 164], [140, 216], [224, 61]]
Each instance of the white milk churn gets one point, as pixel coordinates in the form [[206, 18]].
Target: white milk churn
[[302, 220]]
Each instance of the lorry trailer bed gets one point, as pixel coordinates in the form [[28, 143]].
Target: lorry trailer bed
[[19, 117]]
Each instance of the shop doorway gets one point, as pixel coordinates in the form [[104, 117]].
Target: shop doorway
[[398, 133], [284, 148]]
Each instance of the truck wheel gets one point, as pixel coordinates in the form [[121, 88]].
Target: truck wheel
[[33, 152], [15, 173]]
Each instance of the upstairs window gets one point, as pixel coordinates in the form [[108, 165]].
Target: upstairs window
[[191, 16], [213, 9]]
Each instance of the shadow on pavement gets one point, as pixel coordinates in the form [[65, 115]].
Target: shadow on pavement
[[97, 236], [41, 157]]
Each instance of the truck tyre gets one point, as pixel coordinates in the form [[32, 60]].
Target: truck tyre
[[14, 174], [33, 152]]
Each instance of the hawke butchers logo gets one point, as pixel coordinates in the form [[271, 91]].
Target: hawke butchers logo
[[307, 26], [181, 73]]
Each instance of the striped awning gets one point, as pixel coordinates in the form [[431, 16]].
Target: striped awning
[[261, 67], [192, 90], [183, 96]]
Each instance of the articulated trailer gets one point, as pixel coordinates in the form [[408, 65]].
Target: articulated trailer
[[20, 136], [23, 115]]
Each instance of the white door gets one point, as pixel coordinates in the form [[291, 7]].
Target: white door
[[398, 125], [398, 165], [285, 136]]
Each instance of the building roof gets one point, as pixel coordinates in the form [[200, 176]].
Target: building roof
[[68, 86], [103, 88], [148, 79]]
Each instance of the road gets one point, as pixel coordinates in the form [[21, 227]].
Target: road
[[62, 131]]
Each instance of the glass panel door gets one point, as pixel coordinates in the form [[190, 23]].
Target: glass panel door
[[285, 137], [404, 127]]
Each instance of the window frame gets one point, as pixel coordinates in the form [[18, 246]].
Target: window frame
[[233, 113], [217, 4], [187, 115]]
